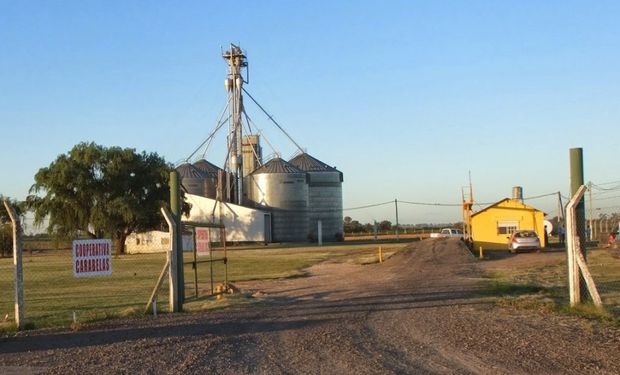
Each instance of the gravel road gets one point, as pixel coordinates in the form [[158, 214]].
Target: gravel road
[[420, 312]]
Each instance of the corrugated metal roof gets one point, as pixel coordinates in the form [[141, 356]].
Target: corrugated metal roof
[[277, 165], [308, 163], [207, 167], [186, 170]]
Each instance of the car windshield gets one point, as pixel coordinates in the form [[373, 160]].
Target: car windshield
[[525, 234]]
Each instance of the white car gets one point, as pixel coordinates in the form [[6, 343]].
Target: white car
[[522, 240], [448, 233]]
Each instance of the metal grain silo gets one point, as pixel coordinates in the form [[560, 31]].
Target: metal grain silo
[[324, 197], [210, 172], [280, 188], [192, 179]]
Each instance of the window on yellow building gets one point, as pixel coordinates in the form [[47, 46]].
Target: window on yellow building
[[507, 227]]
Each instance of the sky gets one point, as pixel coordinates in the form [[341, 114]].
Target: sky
[[406, 98]]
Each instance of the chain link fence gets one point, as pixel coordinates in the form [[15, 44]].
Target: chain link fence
[[53, 296], [604, 265]]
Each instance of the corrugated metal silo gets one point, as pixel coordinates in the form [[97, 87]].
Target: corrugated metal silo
[[324, 197], [282, 189], [210, 172], [192, 179]]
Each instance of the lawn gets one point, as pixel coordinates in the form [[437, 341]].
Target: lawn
[[52, 295], [545, 286]]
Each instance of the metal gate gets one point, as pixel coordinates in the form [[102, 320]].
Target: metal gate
[[209, 260]]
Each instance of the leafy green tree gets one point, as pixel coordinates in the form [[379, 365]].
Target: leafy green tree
[[99, 192], [6, 228]]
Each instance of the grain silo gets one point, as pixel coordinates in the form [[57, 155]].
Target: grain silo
[[252, 153], [192, 179], [324, 197], [210, 172], [282, 189]]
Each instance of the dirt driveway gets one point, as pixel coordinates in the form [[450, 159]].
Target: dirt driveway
[[420, 312]]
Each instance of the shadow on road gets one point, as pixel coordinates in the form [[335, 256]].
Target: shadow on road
[[67, 340]]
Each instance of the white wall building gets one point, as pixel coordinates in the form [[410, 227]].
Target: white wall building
[[242, 224]]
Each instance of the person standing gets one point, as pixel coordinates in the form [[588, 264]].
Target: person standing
[[562, 234]]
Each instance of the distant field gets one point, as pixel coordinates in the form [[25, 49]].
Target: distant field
[[385, 237], [52, 294]]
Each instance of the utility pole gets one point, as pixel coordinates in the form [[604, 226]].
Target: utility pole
[[560, 209], [396, 205], [590, 210], [576, 181], [175, 209]]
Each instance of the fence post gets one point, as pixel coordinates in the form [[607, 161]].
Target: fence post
[[176, 208], [573, 245], [18, 266], [171, 255]]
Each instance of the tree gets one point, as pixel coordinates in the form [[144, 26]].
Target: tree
[[6, 227], [100, 192], [385, 225]]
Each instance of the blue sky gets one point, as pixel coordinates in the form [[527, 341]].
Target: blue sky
[[405, 97]]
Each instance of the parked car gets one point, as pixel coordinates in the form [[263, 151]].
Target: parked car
[[448, 233], [522, 240]]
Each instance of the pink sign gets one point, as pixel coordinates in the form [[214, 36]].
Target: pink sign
[[203, 243]]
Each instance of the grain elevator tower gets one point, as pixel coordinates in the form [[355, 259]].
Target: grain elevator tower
[[236, 60]]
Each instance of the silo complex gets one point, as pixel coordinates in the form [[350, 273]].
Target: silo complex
[[192, 179], [282, 189], [324, 197], [210, 172], [295, 195]]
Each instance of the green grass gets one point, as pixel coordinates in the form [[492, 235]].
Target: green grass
[[545, 288], [52, 294]]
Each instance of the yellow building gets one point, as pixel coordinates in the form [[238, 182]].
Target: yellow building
[[492, 226]]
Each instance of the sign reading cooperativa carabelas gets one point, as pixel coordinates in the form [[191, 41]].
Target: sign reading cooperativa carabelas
[[92, 258]]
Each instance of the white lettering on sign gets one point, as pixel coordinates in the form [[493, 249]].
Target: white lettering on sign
[[203, 245], [92, 258]]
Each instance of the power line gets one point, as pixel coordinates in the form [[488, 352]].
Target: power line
[[597, 187], [604, 198], [541, 196], [609, 183], [437, 204], [432, 204], [368, 206]]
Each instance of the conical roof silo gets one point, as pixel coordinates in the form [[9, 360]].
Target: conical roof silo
[[280, 188], [210, 172], [324, 197], [192, 179]]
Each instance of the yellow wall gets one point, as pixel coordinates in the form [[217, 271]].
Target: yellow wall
[[484, 223]]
